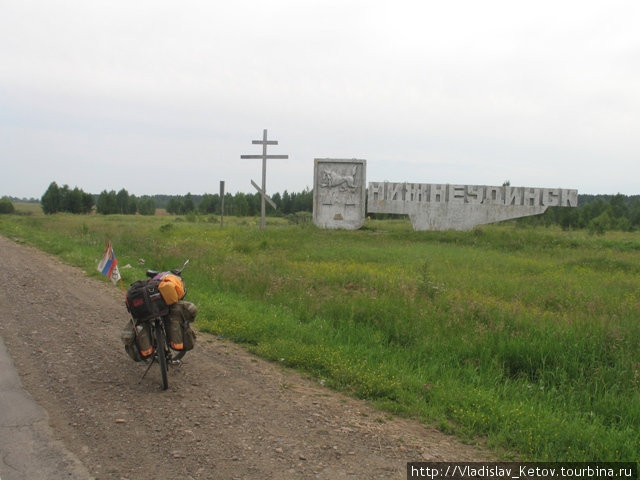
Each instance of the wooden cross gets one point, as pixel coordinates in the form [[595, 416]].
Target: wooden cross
[[263, 191]]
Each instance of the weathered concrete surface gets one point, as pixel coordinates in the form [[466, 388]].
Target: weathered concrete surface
[[462, 207], [339, 193]]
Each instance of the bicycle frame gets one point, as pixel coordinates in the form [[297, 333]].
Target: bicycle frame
[[161, 352]]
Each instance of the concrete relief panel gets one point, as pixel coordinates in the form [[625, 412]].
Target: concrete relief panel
[[339, 189], [434, 206]]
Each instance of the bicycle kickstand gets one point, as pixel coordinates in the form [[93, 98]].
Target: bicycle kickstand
[[153, 360]]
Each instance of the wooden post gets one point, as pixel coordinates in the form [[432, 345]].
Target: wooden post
[[221, 203]]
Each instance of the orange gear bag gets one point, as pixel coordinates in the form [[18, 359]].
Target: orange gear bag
[[171, 288]]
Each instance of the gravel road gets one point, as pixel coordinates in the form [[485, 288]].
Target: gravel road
[[226, 415]]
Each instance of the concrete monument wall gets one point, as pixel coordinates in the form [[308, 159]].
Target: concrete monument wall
[[339, 193], [433, 206]]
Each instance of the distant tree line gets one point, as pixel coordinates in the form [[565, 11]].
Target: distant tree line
[[239, 204], [597, 213], [123, 203], [22, 199], [63, 199]]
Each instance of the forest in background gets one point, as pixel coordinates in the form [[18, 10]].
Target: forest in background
[[597, 213]]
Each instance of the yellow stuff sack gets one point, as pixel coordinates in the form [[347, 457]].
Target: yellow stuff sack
[[171, 288]]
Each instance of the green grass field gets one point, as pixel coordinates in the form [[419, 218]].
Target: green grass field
[[524, 339]]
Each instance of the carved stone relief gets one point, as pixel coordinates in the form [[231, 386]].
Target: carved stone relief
[[339, 193]]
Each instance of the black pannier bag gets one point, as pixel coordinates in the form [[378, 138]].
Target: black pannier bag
[[144, 300]]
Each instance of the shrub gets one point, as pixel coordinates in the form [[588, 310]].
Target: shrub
[[6, 206]]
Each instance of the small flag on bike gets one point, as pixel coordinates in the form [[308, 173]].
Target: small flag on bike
[[109, 264]]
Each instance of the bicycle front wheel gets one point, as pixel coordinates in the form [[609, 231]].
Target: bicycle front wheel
[[161, 352]]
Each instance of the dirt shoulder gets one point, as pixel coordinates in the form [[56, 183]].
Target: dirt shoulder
[[226, 415]]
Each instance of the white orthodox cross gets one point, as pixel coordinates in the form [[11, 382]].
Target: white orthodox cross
[[263, 191]]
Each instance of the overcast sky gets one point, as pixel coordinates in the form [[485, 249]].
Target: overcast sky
[[164, 96]]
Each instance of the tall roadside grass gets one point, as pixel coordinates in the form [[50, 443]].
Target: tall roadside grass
[[525, 338]]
